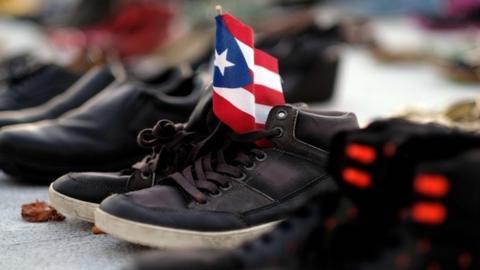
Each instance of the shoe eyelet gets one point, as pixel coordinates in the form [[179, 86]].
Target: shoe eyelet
[[250, 167], [242, 177], [263, 156], [282, 114], [215, 195], [145, 176], [280, 132], [227, 187]]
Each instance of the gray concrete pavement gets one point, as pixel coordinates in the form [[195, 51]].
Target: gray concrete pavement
[[54, 245]]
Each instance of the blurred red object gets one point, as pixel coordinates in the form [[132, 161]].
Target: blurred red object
[[137, 28], [462, 7], [458, 14]]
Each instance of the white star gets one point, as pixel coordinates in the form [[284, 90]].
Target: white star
[[221, 61]]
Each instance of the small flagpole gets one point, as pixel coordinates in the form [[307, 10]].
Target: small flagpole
[[219, 10]]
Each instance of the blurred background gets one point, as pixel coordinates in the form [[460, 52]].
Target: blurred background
[[416, 58], [373, 57]]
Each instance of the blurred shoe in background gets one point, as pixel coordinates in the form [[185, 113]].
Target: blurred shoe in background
[[135, 28], [36, 86], [75, 13], [456, 14], [380, 160], [308, 55], [414, 192], [464, 114], [101, 134], [92, 83], [14, 67]]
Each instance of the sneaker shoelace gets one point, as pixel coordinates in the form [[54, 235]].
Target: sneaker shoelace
[[171, 146], [213, 173]]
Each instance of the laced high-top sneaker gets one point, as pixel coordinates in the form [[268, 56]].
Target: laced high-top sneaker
[[295, 243], [173, 147], [233, 194]]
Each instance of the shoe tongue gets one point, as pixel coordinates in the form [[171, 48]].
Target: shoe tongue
[[202, 117]]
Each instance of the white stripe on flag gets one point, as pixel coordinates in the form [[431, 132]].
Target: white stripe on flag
[[248, 53], [245, 102], [267, 78], [239, 97], [262, 76], [262, 112]]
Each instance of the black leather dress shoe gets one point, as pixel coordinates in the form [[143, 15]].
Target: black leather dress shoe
[[233, 194], [36, 88], [98, 136], [16, 67], [88, 86]]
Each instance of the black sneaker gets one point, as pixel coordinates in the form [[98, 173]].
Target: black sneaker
[[295, 243], [236, 193], [101, 135], [173, 147], [437, 230], [39, 86], [377, 162]]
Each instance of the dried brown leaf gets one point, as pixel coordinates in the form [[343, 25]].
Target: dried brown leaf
[[96, 230], [40, 211]]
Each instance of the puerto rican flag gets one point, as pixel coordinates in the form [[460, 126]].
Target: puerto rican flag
[[246, 81]]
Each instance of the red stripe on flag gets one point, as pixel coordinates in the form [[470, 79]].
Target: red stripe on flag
[[266, 60], [268, 96], [263, 142], [238, 120], [240, 31], [260, 126], [250, 87]]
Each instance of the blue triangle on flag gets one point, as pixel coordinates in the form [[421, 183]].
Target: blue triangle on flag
[[237, 74]]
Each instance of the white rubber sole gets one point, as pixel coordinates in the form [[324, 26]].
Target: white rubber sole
[[72, 207], [169, 238]]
